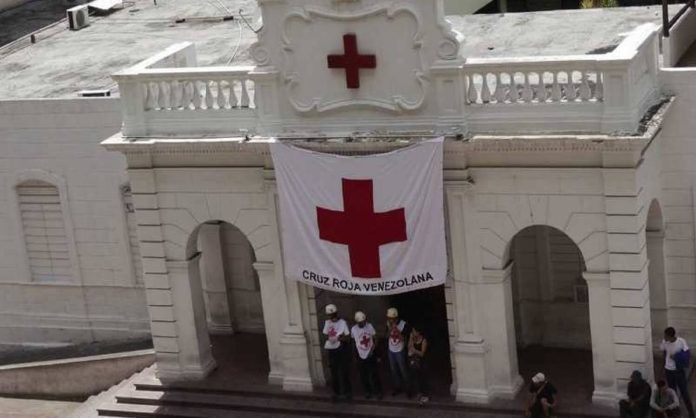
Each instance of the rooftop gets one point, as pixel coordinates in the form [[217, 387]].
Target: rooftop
[[63, 62]]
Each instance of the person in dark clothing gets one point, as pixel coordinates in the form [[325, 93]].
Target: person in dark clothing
[[337, 346], [543, 397], [638, 403], [417, 349]]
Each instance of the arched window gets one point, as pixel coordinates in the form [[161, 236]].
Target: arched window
[[132, 225], [43, 224]]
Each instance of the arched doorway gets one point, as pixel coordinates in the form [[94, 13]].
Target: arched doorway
[[551, 310], [655, 243], [231, 298]]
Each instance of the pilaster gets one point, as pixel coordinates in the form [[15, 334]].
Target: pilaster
[[295, 349]]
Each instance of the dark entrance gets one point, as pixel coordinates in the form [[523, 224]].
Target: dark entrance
[[424, 308]]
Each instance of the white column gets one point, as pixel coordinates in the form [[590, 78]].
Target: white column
[[273, 302], [195, 358], [297, 376], [497, 325], [601, 330], [468, 348], [213, 279]]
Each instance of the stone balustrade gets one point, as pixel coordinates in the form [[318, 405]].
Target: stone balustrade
[[168, 95], [193, 89]]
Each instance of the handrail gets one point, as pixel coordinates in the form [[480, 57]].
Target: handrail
[[667, 23]]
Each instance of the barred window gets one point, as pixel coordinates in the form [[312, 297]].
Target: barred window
[[44, 231]]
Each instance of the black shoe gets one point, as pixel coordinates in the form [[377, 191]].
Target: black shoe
[[334, 398], [397, 392], [410, 395], [368, 396], [379, 396]]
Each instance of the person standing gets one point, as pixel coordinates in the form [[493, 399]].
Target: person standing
[[336, 345], [664, 402], [676, 353], [363, 334], [639, 394], [417, 348], [397, 336]]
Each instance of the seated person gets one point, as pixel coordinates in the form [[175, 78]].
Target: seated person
[[543, 397], [638, 403], [664, 402]]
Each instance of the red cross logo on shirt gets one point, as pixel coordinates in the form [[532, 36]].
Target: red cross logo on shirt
[[332, 332], [365, 340], [361, 228]]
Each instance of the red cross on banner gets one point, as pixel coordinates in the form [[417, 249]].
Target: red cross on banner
[[360, 228], [352, 61]]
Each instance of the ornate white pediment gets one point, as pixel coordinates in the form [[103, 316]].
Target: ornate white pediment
[[389, 46]]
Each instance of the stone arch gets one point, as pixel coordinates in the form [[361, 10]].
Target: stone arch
[[581, 218], [181, 223], [655, 243]]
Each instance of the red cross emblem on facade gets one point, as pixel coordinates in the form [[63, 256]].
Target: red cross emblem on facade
[[352, 61], [361, 228]]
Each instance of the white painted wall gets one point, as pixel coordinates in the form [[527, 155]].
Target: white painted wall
[[60, 139]]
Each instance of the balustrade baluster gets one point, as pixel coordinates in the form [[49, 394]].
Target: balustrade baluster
[[556, 93], [599, 88], [152, 96], [197, 95], [175, 95], [221, 100], [163, 101], [472, 94], [571, 94], [187, 95], [234, 102], [499, 89], [245, 94], [585, 91], [541, 89], [513, 92], [209, 99], [527, 93], [485, 90]]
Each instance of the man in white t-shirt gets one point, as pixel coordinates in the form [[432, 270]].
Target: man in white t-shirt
[[397, 336], [363, 334], [673, 346], [336, 345]]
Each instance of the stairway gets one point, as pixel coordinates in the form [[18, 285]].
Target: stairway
[[149, 398]]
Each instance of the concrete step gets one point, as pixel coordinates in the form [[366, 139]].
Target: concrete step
[[150, 403], [144, 411]]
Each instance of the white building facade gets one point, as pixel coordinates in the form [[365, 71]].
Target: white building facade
[[569, 192], [555, 160]]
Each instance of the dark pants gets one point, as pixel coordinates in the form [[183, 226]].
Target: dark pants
[[369, 375], [626, 410], [419, 380], [676, 379], [398, 369], [339, 363]]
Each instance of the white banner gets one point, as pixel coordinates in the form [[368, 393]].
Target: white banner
[[370, 225]]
